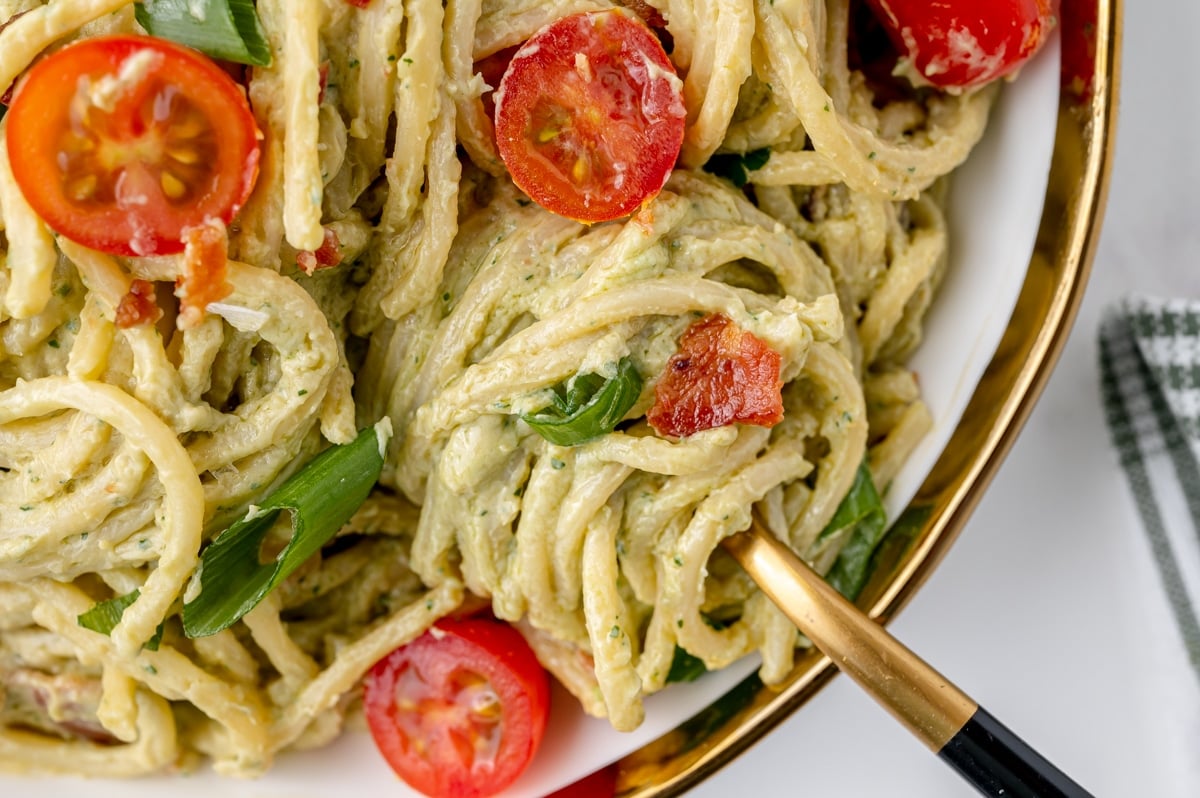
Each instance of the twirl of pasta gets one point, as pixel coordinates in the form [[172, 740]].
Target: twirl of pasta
[[456, 308]]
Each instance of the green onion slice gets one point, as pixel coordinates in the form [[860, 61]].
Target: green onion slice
[[591, 407], [105, 616], [863, 510], [226, 29], [320, 499]]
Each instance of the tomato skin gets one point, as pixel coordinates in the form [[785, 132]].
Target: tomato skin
[[590, 116], [1079, 18], [105, 173], [960, 44], [414, 702], [598, 784], [721, 375]]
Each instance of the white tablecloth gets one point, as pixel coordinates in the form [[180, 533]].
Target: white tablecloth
[[1048, 610]]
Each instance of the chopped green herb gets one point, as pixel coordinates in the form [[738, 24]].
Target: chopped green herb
[[614, 632], [557, 464], [52, 343]]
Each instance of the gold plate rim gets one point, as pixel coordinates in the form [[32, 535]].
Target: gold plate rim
[[1066, 243]]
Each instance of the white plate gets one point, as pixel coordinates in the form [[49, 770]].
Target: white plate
[[995, 207]]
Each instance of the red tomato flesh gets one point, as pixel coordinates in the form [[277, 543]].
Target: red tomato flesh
[[121, 143], [966, 43], [720, 375], [460, 711], [590, 116]]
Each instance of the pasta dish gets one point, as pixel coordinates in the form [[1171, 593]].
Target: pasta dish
[[359, 339]]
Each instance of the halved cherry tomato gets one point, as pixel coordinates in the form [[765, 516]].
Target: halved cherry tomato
[[590, 116], [959, 44], [460, 711], [720, 375], [121, 143], [598, 784], [1079, 43]]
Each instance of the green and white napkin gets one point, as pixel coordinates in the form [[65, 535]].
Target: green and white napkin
[[1150, 380]]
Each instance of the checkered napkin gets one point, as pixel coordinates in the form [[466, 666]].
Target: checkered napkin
[[1150, 380]]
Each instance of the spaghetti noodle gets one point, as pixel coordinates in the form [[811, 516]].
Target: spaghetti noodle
[[457, 307]]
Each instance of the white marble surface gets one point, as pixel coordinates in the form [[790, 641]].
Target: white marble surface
[[1047, 609]]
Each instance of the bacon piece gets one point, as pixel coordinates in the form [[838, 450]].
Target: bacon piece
[[328, 255], [720, 375], [649, 14], [65, 704], [359, 3], [202, 277], [138, 306]]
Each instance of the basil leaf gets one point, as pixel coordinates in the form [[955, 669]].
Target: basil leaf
[[591, 407], [894, 540], [320, 499], [859, 502], [685, 667], [226, 29], [105, 616], [862, 509], [735, 167]]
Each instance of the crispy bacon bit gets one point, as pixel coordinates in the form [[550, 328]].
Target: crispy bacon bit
[[138, 306], [720, 375], [329, 254], [649, 14], [202, 276], [65, 704], [359, 3], [322, 81]]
